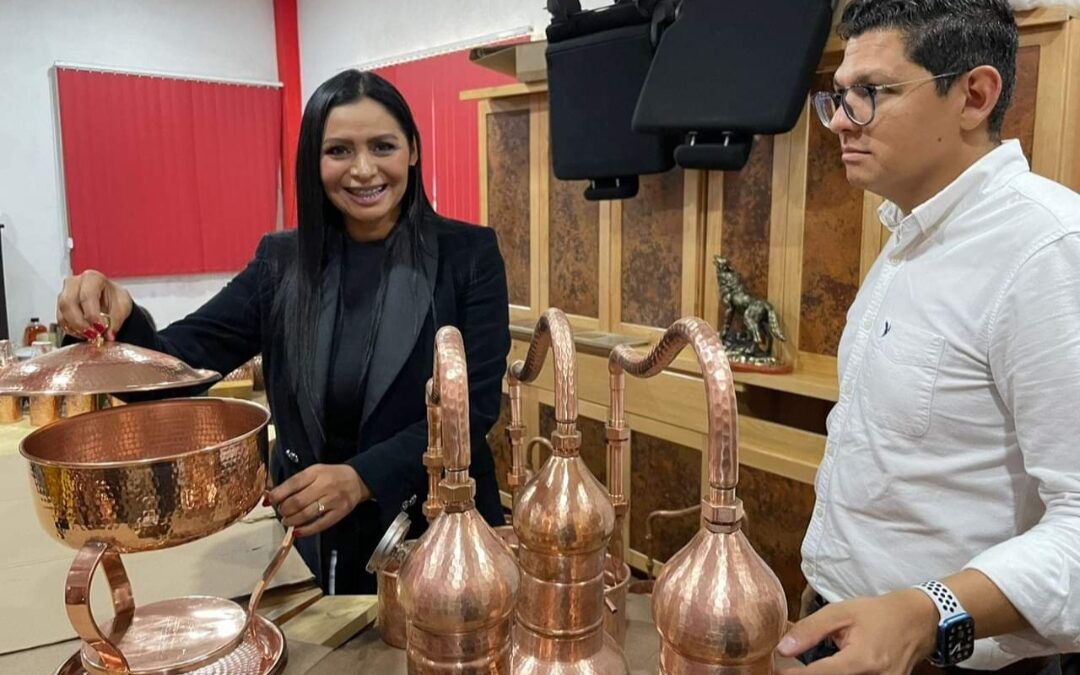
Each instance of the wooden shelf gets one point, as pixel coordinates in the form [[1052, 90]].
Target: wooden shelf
[[814, 375], [519, 89], [673, 401]]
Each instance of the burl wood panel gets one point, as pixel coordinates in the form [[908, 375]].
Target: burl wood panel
[[508, 196], [574, 248], [663, 476], [832, 238], [1020, 118], [500, 446], [747, 215], [651, 274], [778, 511], [592, 441]]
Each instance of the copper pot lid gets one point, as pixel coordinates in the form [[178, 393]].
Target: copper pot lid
[[99, 368]]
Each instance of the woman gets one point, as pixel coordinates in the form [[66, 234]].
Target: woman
[[344, 311]]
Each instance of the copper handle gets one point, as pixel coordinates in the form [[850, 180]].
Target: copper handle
[[531, 450], [256, 595], [656, 515], [77, 601]]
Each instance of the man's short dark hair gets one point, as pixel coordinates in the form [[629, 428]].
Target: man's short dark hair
[[945, 36]]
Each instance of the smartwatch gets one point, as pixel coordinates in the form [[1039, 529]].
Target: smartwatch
[[956, 629]]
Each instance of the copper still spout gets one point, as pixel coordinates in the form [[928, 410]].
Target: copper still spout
[[459, 585], [563, 520], [717, 605]]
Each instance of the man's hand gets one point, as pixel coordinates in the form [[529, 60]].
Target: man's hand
[[886, 635], [318, 497]]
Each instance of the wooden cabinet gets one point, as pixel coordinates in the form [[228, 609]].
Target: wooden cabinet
[[795, 229]]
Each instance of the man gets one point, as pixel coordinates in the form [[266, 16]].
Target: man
[[951, 454]]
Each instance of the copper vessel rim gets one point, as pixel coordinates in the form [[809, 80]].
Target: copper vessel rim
[[120, 464]]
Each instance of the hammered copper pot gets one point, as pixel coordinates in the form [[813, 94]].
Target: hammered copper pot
[[148, 476]]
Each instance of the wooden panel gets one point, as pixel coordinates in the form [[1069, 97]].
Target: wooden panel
[[574, 248], [500, 446], [778, 512], [1020, 118], [651, 260], [781, 407], [508, 196], [832, 236], [664, 475], [747, 214], [592, 441]]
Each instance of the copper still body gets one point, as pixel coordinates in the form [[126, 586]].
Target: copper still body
[[717, 605], [458, 586], [563, 521]]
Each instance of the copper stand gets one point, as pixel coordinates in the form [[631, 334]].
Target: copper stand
[[172, 636], [717, 606], [563, 520]]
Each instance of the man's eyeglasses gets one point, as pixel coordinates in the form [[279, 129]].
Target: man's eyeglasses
[[859, 101]]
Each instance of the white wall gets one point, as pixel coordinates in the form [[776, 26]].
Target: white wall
[[217, 38], [338, 34]]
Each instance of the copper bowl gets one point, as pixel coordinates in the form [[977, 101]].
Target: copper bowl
[[148, 476]]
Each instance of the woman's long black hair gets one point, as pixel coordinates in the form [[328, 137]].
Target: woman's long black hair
[[299, 299]]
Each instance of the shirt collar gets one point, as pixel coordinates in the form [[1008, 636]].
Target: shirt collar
[[991, 171]]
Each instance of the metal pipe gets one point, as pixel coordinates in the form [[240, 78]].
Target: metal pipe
[[717, 582], [433, 457]]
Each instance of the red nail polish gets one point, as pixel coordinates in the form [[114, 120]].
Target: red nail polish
[[266, 501], [99, 327], [89, 334], [297, 532]]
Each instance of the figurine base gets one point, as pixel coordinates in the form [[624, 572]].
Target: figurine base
[[758, 364]]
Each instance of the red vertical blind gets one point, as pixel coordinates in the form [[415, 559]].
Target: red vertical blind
[[167, 176], [448, 126], [287, 40]]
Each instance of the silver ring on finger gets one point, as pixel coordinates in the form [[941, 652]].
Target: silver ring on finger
[[320, 506]]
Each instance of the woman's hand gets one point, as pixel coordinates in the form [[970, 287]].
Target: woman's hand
[[318, 497], [83, 299]]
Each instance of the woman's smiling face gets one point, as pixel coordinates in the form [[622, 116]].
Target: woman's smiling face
[[365, 167]]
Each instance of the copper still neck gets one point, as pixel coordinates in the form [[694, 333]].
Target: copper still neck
[[459, 585], [716, 604], [563, 520]]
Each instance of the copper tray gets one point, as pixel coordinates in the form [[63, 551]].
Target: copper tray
[[262, 652]]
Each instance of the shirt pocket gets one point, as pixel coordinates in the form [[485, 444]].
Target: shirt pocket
[[902, 366]]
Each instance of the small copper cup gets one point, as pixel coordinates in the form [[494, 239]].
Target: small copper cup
[[10, 406], [10, 409], [77, 404], [43, 410]]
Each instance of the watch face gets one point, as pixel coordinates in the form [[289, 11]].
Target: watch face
[[956, 640]]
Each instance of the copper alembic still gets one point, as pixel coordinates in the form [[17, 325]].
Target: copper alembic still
[[458, 584], [145, 477], [717, 605], [563, 520]]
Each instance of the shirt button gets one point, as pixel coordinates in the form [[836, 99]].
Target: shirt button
[[867, 324]]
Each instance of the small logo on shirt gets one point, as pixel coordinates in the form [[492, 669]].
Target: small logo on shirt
[[888, 327]]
